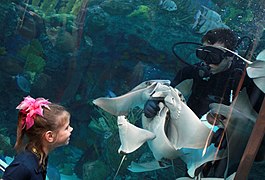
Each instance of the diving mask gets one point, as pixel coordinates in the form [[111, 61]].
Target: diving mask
[[212, 55]]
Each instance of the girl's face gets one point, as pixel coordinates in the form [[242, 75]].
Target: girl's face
[[64, 132]]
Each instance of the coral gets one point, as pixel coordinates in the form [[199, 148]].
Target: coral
[[142, 11]]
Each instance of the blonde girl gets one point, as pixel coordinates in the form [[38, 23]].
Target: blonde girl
[[42, 126]]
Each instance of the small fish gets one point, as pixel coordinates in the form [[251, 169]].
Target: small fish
[[23, 83], [206, 20], [168, 5]]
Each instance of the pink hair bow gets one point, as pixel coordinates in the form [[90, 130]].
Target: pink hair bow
[[32, 107]]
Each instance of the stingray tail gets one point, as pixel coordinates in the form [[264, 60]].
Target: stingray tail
[[122, 159]]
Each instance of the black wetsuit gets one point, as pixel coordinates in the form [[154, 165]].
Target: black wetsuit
[[25, 166], [254, 93], [216, 89]]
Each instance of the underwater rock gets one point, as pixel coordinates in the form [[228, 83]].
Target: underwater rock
[[66, 42], [8, 19], [97, 20], [95, 170], [67, 169], [6, 147], [53, 173], [30, 24], [11, 66]]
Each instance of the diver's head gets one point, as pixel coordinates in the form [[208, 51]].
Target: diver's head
[[211, 52], [222, 36]]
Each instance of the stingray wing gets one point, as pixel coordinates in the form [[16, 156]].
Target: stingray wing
[[122, 104], [131, 136]]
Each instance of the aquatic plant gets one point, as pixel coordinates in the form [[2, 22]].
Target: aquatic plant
[[235, 14], [105, 123], [49, 7], [34, 63], [2, 51], [76, 8], [35, 2], [33, 54], [142, 11], [34, 47], [108, 123]]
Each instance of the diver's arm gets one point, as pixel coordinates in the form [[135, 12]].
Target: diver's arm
[[183, 74]]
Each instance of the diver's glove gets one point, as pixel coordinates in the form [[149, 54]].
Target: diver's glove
[[217, 139], [151, 108]]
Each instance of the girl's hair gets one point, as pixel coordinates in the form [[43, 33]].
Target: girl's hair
[[49, 122]]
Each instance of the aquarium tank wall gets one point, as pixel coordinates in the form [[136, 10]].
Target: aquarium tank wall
[[104, 59]]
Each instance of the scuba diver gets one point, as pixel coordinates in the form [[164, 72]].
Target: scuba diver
[[215, 80]]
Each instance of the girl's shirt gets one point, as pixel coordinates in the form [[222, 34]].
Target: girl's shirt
[[25, 166]]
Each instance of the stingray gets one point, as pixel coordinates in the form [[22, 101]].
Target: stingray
[[194, 159], [161, 145], [185, 128], [136, 97], [231, 177], [146, 166], [131, 136], [173, 128], [240, 109], [255, 70], [240, 121]]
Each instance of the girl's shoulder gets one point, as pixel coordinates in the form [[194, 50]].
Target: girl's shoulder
[[24, 166], [27, 158]]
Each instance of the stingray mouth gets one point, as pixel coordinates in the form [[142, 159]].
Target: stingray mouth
[[123, 153]]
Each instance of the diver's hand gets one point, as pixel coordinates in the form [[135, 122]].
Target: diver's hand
[[219, 138], [151, 108]]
